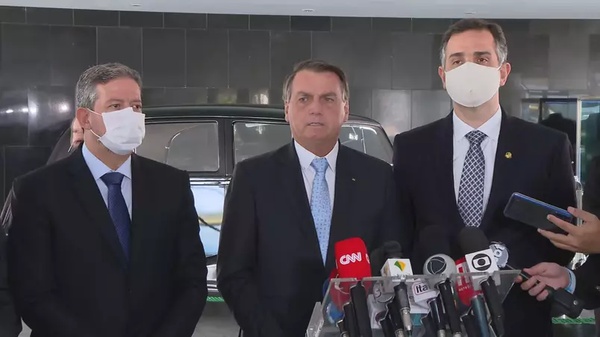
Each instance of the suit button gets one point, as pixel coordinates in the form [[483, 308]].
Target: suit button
[[598, 288]]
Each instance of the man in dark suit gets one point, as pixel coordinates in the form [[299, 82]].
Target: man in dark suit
[[104, 242], [285, 210], [461, 170], [10, 323]]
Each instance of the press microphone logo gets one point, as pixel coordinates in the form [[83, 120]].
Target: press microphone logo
[[436, 265], [419, 288], [350, 258], [401, 265], [481, 262]]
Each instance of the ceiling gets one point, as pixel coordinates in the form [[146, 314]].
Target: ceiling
[[527, 9]]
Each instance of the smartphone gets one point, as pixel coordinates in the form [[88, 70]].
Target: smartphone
[[534, 212]]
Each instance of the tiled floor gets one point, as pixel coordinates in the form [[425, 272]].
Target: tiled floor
[[218, 322]]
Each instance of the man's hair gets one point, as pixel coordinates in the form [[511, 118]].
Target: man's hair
[[85, 91], [476, 24], [316, 66]]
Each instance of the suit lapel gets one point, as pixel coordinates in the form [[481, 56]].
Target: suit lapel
[[344, 191], [300, 213], [503, 168], [89, 196], [445, 167]]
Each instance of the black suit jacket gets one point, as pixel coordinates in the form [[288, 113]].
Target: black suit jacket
[[270, 270], [10, 322], [530, 159], [588, 275], [68, 273]]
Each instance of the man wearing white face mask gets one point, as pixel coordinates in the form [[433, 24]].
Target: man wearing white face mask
[[105, 242], [461, 170]]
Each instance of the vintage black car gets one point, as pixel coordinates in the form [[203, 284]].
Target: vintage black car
[[207, 141]]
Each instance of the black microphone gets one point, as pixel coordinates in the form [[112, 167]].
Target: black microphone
[[350, 321], [470, 325], [438, 243], [480, 258], [567, 303], [437, 315]]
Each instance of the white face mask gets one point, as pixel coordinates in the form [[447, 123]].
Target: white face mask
[[472, 84], [125, 130]]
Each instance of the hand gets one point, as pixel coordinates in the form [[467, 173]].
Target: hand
[[542, 275], [580, 239]]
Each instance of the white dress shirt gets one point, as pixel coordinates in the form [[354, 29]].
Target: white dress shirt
[[98, 169], [489, 145], [308, 172]]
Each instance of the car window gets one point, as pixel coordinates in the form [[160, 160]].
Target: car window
[[251, 139], [209, 201], [187, 146], [367, 139]]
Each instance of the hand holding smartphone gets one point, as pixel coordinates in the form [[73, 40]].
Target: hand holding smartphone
[[535, 213]]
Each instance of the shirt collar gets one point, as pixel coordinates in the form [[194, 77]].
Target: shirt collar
[[98, 168], [306, 157], [491, 128]]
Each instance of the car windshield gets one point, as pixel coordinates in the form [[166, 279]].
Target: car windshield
[[251, 139]]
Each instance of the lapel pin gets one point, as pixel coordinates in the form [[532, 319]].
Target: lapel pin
[[508, 155]]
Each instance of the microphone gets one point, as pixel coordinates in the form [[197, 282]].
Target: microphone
[[442, 266], [396, 266], [379, 255], [567, 302], [352, 261], [480, 258]]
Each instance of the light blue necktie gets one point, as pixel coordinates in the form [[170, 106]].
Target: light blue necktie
[[320, 205], [470, 191]]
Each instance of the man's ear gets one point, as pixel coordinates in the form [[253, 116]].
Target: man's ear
[[504, 72], [83, 117], [442, 75]]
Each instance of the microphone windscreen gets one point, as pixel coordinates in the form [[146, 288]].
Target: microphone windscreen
[[352, 260], [472, 239]]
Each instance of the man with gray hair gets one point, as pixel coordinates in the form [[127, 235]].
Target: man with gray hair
[[285, 210], [89, 251], [462, 169]]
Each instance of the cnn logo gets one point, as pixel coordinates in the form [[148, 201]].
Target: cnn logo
[[350, 258]]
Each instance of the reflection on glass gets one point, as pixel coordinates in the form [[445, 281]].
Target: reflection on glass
[[209, 200], [252, 139]]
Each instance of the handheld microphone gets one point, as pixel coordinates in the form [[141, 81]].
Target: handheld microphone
[[396, 266], [481, 258], [567, 302], [352, 261], [442, 266]]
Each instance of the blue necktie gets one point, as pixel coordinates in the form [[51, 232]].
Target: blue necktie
[[470, 191], [117, 208], [320, 205]]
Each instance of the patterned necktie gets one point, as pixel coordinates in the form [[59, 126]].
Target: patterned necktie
[[320, 205], [470, 191], [118, 209]]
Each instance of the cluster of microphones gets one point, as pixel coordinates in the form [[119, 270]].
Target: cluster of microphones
[[455, 298]]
